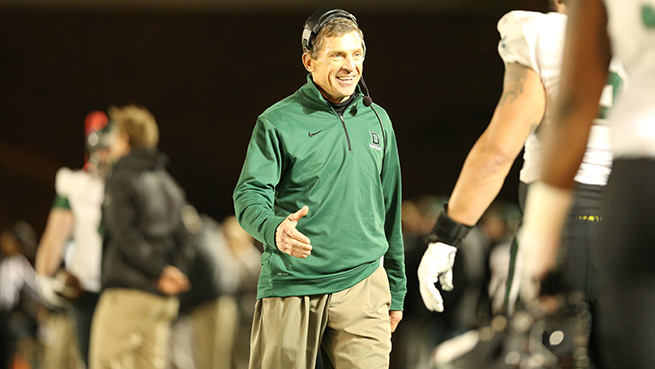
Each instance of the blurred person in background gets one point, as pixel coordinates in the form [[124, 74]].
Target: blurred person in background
[[597, 32], [19, 299], [146, 249], [76, 213], [420, 332], [212, 298], [531, 47], [57, 330], [411, 224], [499, 226], [223, 277], [531, 83], [247, 262], [205, 331], [467, 305]]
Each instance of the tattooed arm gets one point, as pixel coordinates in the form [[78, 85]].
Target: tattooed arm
[[520, 109]]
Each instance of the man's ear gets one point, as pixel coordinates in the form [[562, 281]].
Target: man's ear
[[308, 62]]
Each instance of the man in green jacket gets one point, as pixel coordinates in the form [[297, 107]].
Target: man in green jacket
[[321, 188]]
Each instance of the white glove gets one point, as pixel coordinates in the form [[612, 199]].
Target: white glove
[[49, 289], [436, 265]]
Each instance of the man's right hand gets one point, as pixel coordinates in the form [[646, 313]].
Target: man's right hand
[[289, 240], [172, 281], [436, 265]]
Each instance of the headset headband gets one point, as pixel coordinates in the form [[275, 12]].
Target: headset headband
[[316, 21]]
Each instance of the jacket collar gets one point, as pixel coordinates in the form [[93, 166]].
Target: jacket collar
[[141, 159], [310, 93]]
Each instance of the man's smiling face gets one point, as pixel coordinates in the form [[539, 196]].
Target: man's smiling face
[[338, 66]]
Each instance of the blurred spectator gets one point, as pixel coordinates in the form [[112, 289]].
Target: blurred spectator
[[145, 252], [225, 264], [76, 213], [247, 260], [215, 320], [416, 337], [57, 328], [17, 288], [57, 335], [411, 223], [499, 224], [208, 312], [467, 305]]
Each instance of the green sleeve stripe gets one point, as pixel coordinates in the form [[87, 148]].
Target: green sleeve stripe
[[61, 202]]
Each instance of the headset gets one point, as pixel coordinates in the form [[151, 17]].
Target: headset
[[313, 26], [318, 20]]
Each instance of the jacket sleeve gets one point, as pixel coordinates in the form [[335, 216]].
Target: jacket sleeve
[[119, 219], [254, 195], [185, 250], [394, 259]]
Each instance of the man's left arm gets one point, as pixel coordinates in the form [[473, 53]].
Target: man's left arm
[[184, 249], [394, 259]]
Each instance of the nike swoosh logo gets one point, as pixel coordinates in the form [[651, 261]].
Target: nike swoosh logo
[[315, 133]]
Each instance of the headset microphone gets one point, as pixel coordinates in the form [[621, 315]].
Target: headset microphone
[[368, 102], [367, 95]]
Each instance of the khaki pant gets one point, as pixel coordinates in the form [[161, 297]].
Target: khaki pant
[[214, 331], [352, 326], [59, 343], [130, 329]]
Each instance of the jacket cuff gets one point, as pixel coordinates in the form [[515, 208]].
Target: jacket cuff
[[397, 302], [181, 263], [270, 227], [155, 269]]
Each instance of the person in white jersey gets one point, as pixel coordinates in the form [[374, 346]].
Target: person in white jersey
[[597, 30], [531, 47], [76, 214]]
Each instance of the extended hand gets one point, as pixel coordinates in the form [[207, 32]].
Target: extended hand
[[289, 240], [436, 265], [172, 281]]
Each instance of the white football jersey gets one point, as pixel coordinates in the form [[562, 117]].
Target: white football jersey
[[85, 193], [631, 26], [536, 40]]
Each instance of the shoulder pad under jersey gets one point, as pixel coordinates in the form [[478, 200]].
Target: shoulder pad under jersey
[[524, 34], [63, 181]]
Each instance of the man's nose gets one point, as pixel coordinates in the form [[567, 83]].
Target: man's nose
[[349, 64]]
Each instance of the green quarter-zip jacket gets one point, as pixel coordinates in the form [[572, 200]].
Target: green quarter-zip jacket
[[347, 171]]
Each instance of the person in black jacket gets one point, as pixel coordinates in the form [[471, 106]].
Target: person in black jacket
[[145, 249]]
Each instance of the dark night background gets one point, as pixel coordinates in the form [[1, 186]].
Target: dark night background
[[206, 72]]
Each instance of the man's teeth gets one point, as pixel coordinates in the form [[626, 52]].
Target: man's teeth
[[345, 78]]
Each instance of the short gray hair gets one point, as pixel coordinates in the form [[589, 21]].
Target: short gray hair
[[334, 28]]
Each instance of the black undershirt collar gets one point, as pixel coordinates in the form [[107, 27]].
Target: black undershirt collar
[[341, 107], [338, 107]]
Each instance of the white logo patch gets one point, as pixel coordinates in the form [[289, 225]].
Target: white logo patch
[[375, 141]]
